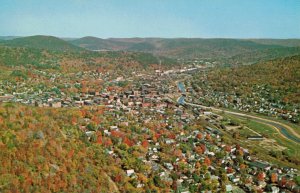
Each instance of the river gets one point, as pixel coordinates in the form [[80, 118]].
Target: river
[[284, 131]]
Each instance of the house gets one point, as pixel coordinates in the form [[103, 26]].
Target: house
[[275, 189], [6, 98], [114, 127], [169, 166], [89, 134], [146, 105], [79, 103], [107, 133], [262, 184], [88, 102], [154, 158], [140, 185], [257, 137], [207, 113], [229, 188], [130, 172], [55, 104]]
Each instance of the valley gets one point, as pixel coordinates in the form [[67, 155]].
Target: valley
[[132, 119]]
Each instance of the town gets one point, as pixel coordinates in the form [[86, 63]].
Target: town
[[167, 96], [186, 149]]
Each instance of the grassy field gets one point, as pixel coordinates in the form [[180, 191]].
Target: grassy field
[[270, 132], [296, 127], [261, 149]]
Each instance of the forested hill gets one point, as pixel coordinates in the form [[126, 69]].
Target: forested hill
[[281, 77], [38, 58], [181, 46], [281, 42], [41, 150], [225, 51], [42, 42]]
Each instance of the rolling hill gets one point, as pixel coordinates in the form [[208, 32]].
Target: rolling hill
[[8, 37], [279, 77], [93, 43], [262, 55], [42, 42], [223, 51], [49, 59], [234, 51], [281, 42], [180, 46]]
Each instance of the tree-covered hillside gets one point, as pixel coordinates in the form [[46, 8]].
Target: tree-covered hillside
[[281, 75], [42, 150], [224, 51], [39, 58], [271, 88], [42, 42]]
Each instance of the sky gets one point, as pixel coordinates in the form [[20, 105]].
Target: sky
[[151, 18]]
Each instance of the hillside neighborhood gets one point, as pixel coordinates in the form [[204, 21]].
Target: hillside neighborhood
[[182, 154]]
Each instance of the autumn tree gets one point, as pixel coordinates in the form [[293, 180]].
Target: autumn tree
[[274, 177]]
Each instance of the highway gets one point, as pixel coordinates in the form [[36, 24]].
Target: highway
[[285, 130]]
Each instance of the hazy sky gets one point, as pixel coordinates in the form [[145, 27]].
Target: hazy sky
[[151, 18]]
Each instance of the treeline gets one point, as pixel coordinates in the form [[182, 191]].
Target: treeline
[[47, 59]]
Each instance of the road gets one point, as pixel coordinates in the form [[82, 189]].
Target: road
[[284, 130]]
